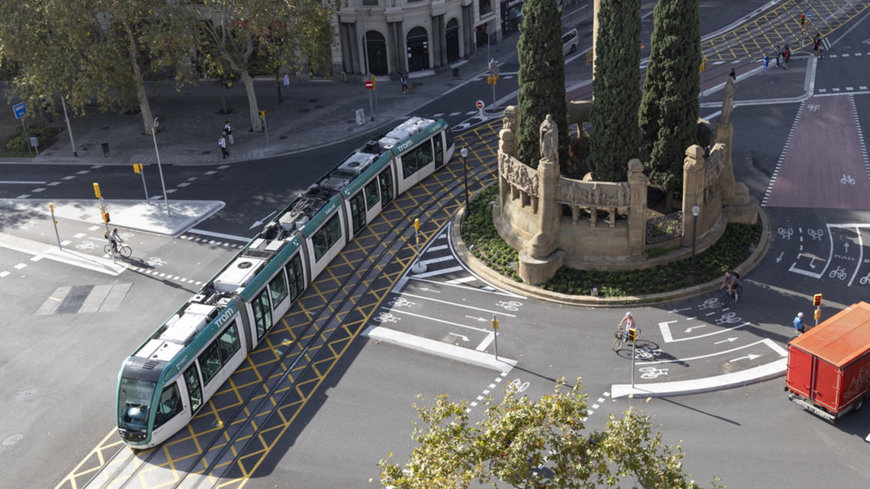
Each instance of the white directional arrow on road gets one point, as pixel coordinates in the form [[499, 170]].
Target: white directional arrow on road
[[680, 310], [779, 258], [846, 245], [476, 318], [729, 340], [745, 357], [261, 221], [461, 336]]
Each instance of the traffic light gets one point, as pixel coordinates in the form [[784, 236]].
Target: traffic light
[[97, 190], [817, 300], [262, 114], [632, 334], [137, 167]]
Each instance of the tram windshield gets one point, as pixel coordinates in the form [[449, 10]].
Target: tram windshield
[[134, 397]]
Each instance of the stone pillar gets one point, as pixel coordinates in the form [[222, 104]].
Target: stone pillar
[[637, 183], [724, 135], [694, 177], [543, 243], [507, 147]]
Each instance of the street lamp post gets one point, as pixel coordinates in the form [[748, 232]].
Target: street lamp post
[[464, 152], [154, 126], [695, 211]]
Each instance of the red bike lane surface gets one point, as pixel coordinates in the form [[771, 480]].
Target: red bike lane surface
[[823, 166]]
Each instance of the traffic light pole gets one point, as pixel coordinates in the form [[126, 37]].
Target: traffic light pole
[[633, 346]]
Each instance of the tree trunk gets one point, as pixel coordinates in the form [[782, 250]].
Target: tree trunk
[[278, 87], [223, 98], [256, 124], [141, 95]]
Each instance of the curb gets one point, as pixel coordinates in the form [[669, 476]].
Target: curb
[[480, 268]]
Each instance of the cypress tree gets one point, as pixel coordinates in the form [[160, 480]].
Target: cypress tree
[[541, 79], [669, 111], [616, 87]]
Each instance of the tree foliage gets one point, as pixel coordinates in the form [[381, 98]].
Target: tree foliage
[[616, 86], [245, 35], [669, 110], [520, 434], [541, 79]]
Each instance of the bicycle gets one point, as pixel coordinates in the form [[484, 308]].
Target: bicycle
[[122, 249], [620, 339], [728, 296]]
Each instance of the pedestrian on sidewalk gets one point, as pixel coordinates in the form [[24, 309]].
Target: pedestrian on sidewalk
[[222, 142], [799, 326], [786, 55], [766, 62], [286, 82], [404, 81], [228, 130], [733, 75]]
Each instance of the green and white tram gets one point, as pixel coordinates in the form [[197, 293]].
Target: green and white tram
[[168, 379]]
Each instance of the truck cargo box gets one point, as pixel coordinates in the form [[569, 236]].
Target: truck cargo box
[[829, 366]]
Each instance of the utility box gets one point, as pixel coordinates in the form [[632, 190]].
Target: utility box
[[828, 370], [360, 116]]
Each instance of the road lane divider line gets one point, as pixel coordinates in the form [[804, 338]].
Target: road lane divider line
[[442, 321], [766, 341]]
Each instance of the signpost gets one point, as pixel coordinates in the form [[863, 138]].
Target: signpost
[[480, 105], [370, 86], [20, 110], [492, 79]]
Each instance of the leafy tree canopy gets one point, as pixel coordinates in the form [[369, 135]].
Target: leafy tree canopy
[[520, 434]]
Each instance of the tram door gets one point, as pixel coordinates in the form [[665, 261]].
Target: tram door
[[357, 212], [439, 151], [194, 388], [386, 181]]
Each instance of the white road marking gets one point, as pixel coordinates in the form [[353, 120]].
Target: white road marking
[[3, 274], [68, 177], [52, 184], [21, 182], [20, 266], [500, 313], [666, 332], [462, 280], [438, 248], [23, 196], [435, 273], [767, 341], [233, 237], [486, 341], [436, 260]]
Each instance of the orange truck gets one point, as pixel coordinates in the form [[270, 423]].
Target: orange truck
[[829, 366]]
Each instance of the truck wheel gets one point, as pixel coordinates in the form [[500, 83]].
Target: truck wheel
[[859, 404]]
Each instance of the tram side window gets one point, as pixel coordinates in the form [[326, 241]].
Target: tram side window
[[326, 236], [449, 135], [296, 276], [219, 352], [386, 181], [417, 158], [194, 389], [170, 405], [372, 196], [262, 314], [278, 288]]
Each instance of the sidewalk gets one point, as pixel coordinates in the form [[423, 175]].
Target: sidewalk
[[310, 115]]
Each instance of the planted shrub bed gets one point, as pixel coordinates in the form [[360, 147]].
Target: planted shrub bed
[[483, 240]]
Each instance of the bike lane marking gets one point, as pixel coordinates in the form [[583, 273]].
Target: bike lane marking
[[669, 338], [815, 175]]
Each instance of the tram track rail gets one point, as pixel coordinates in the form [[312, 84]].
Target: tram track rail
[[230, 441]]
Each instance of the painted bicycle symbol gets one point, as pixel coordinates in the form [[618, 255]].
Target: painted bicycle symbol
[[839, 273], [517, 386], [647, 353], [865, 279], [847, 179], [86, 245], [816, 234], [156, 261], [711, 303], [785, 232], [509, 305], [402, 302], [728, 318], [387, 317], [652, 372]]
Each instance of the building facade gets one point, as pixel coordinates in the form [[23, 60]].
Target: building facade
[[391, 37]]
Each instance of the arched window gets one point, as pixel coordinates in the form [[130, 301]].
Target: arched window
[[418, 49]]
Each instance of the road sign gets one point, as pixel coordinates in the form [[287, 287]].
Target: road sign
[[20, 110], [479, 104], [370, 85]]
